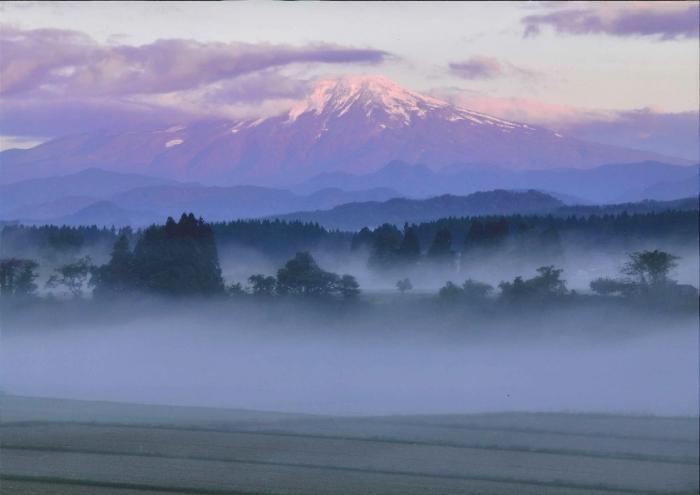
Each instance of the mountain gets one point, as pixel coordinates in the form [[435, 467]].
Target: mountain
[[228, 203], [111, 198], [671, 189], [101, 213], [354, 216], [353, 124], [605, 184], [68, 190], [645, 206]]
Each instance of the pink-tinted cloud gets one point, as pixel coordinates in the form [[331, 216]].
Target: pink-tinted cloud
[[522, 109], [673, 134], [257, 87], [477, 68], [54, 82], [669, 133], [663, 20], [70, 63]]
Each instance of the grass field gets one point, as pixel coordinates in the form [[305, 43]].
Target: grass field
[[75, 447]]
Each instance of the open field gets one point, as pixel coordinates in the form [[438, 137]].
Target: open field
[[62, 446]]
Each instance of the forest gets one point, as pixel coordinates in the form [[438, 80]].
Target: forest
[[181, 258]]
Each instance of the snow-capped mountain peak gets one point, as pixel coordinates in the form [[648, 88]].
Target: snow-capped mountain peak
[[335, 96], [379, 96], [353, 124]]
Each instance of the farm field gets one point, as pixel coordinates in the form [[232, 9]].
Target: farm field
[[51, 446]]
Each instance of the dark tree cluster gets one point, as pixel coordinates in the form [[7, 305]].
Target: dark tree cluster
[[486, 234], [17, 277], [545, 286], [645, 281], [646, 277], [51, 241], [390, 247], [597, 229], [535, 235], [278, 239], [470, 292], [178, 258], [302, 277]]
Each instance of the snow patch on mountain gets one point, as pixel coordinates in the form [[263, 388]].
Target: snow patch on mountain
[[336, 96]]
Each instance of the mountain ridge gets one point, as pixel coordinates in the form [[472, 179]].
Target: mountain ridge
[[399, 211], [352, 124], [608, 183]]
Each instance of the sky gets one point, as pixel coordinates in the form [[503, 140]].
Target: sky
[[625, 73]]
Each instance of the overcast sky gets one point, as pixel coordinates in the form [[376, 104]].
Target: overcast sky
[[579, 66]]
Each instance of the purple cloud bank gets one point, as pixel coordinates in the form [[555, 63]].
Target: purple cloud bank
[[668, 133], [665, 20], [54, 82], [673, 134], [72, 62]]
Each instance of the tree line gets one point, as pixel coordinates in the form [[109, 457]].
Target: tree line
[[280, 239], [390, 247], [180, 258], [176, 259]]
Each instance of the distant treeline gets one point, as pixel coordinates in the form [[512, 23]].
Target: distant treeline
[[681, 225], [180, 258], [280, 239]]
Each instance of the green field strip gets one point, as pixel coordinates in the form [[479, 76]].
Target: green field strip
[[515, 429], [392, 440], [380, 421], [493, 479], [123, 485]]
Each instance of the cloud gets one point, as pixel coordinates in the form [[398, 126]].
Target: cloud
[[522, 109], [69, 62], [669, 133], [673, 134], [54, 82], [663, 20], [478, 67], [62, 116]]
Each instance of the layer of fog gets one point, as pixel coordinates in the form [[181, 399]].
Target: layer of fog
[[581, 264], [234, 356]]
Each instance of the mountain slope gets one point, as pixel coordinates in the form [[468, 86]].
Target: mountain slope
[[109, 197], [354, 216], [353, 124], [604, 184], [94, 183]]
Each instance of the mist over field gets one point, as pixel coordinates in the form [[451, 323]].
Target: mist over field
[[383, 362], [305, 248]]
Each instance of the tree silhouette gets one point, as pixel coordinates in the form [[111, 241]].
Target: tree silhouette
[[409, 249], [262, 285], [547, 285], [118, 275], [72, 276], [348, 287], [385, 246], [17, 277], [404, 285], [179, 258], [441, 248], [650, 267], [301, 276]]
